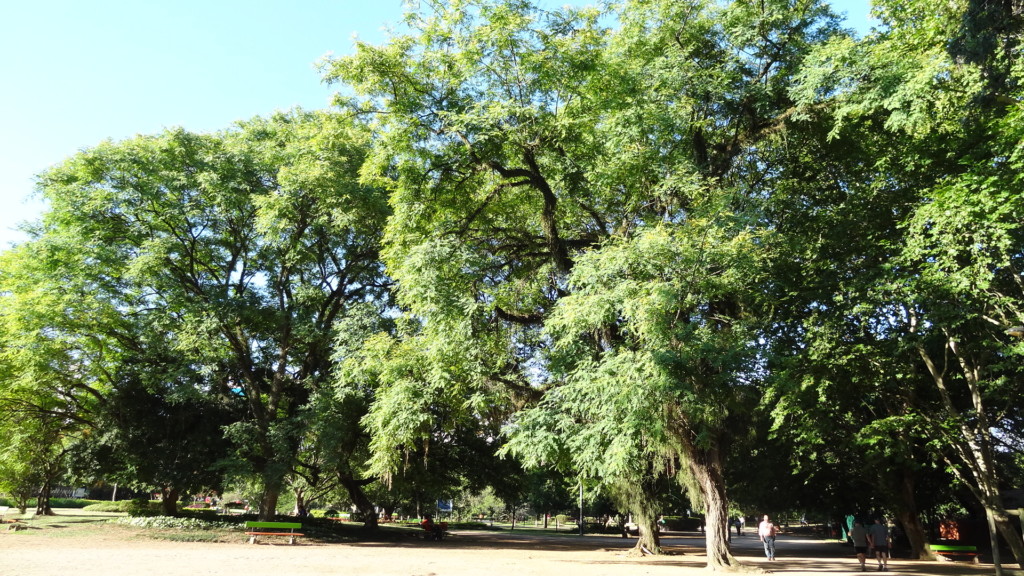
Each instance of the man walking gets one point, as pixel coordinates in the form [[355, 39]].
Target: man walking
[[766, 532], [859, 535], [878, 538]]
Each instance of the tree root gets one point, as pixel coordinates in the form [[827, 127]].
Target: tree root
[[738, 569], [640, 551], [734, 566]]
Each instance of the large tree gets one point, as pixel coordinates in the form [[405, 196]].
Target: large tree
[[923, 296], [246, 247], [516, 141], [55, 366]]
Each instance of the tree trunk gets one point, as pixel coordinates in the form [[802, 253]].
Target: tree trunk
[[906, 511], [300, 508], [169, 501], [973, 446], [362, 502], [1009, 533], [43, 499], [705, 465], [716, 514], [643, 506], [649, 541], [268, 501]]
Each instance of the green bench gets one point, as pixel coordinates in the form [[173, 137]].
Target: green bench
[[955, 550], [254, 529]]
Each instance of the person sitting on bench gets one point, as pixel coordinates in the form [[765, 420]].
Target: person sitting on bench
[[434, 531]]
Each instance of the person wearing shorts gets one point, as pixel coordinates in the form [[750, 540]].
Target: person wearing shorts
[[859, 535], [878, 539]]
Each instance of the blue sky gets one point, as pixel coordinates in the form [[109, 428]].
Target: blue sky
[[77, 72]]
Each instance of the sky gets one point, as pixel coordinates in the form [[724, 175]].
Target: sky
[[75, 73]]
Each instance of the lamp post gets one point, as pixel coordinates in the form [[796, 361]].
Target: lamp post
[[581, 507]]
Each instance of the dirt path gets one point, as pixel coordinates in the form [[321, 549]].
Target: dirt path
[[63, 550]]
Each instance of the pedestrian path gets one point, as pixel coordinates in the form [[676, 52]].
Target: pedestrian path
[[800, 555]]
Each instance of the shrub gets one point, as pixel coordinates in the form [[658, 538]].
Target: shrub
[[142, 507], [70, 502], [54, 502], [107, 506], [201, 513], [176, 523]]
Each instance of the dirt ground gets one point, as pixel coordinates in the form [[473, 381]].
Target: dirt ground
[[56, 547]]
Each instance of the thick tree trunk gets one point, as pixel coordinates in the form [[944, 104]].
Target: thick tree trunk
[[638, 496], [268, 501], [716, 513], [906, 511], [649, 541], [362, 502], [705, 466], [169, 501], [646, 518]]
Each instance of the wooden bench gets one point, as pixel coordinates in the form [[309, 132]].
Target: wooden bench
[[255, 529], [955, 550]]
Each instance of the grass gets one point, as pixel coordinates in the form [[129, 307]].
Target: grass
[[99, 523], [77, 523], [67, 523]]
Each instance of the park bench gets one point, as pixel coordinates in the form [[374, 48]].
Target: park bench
[[255, 529], [956, 550], [437, 532], [3, 512]]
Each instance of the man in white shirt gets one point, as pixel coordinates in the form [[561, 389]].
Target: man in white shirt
[[766, 532]]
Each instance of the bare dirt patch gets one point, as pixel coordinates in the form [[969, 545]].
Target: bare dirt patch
[[73, 544]]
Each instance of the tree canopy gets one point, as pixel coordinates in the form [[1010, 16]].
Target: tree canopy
[[644, 247]]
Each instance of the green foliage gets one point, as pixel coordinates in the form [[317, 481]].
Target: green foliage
[[199, 277], [110, 506], [483, 504], [172, 523], [54, 502], [142, 508], [909, 256], [533, 158], [71, 503], [635, 257]]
